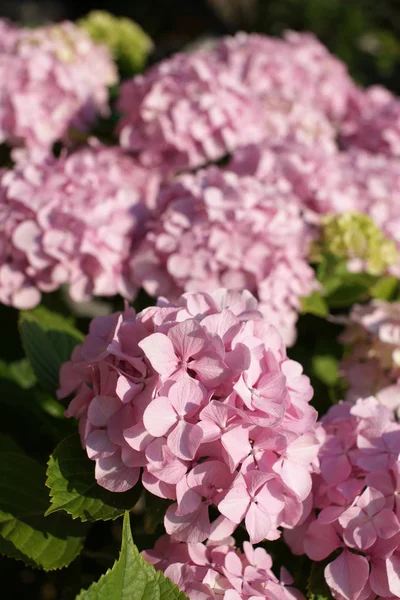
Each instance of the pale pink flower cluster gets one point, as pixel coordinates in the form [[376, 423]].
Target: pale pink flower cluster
[[373, 364], [224, 229], [219, 570], [200, 400], [355, 523], [52, 78], [324, 182], [193, 109], [8, 34], [185, 112], [373, 122], [294, 69], [72, 220]]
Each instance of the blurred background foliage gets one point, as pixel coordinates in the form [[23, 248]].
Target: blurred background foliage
[[364, 33]]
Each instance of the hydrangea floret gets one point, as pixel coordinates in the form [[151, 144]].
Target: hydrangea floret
[[224, 229], [53, 78], [73, 220], [199, 400], [185, 112], [373, 362], [220, 570], [355, 519]]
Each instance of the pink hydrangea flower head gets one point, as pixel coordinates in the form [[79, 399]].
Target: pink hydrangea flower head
[[8, 34], [220, 570], [185, 112], [297, 68], [223, 229], [373, 333], [72, 220], [355, 518], [61, 75], [199, 399], [373, 122]]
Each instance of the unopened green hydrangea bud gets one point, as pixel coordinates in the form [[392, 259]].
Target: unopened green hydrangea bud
[[126, 40], [355, 237]]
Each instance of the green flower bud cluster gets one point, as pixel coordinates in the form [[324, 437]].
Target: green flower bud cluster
[[126, 40], [354, 236]]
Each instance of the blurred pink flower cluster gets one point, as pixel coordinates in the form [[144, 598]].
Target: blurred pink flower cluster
[[285, 111], [52, 78], [220, 570], [72, 220], [202, 396], [373, 364], [185, 112], [356, 503], [222, 229]]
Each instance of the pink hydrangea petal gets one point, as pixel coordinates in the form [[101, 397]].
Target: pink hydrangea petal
[[192, 528], [186, 396], [101, 409], [258, 523], [184, 440], [236, 446], [113, 475], [393, 574], [98, 444], [159, 417], [347, 575], [235, 503], [160, 352]]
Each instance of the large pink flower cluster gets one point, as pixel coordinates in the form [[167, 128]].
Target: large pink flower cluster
[[356, 500], [8, 34], [72, 220], [193, 109], [201, 396], [373, 364], [373, 122], [52, 78], [323, 182], [219, 570], [223, 229], [185, 112], [295, 69]]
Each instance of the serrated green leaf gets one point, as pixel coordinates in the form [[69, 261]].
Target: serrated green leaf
[[48, 340], [25, 533], [131, 577], [73, 488], [314, 304]]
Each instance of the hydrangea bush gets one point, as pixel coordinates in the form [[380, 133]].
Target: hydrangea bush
[[199, 278]]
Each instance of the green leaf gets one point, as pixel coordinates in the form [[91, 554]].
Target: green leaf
[[28, 414], [48, 340], [19, 371], [385, 288], [25, 533], [155, 509], [317, 588], [7, 444], [131, 577], [73, 488], [315, 305], [325, 367]]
